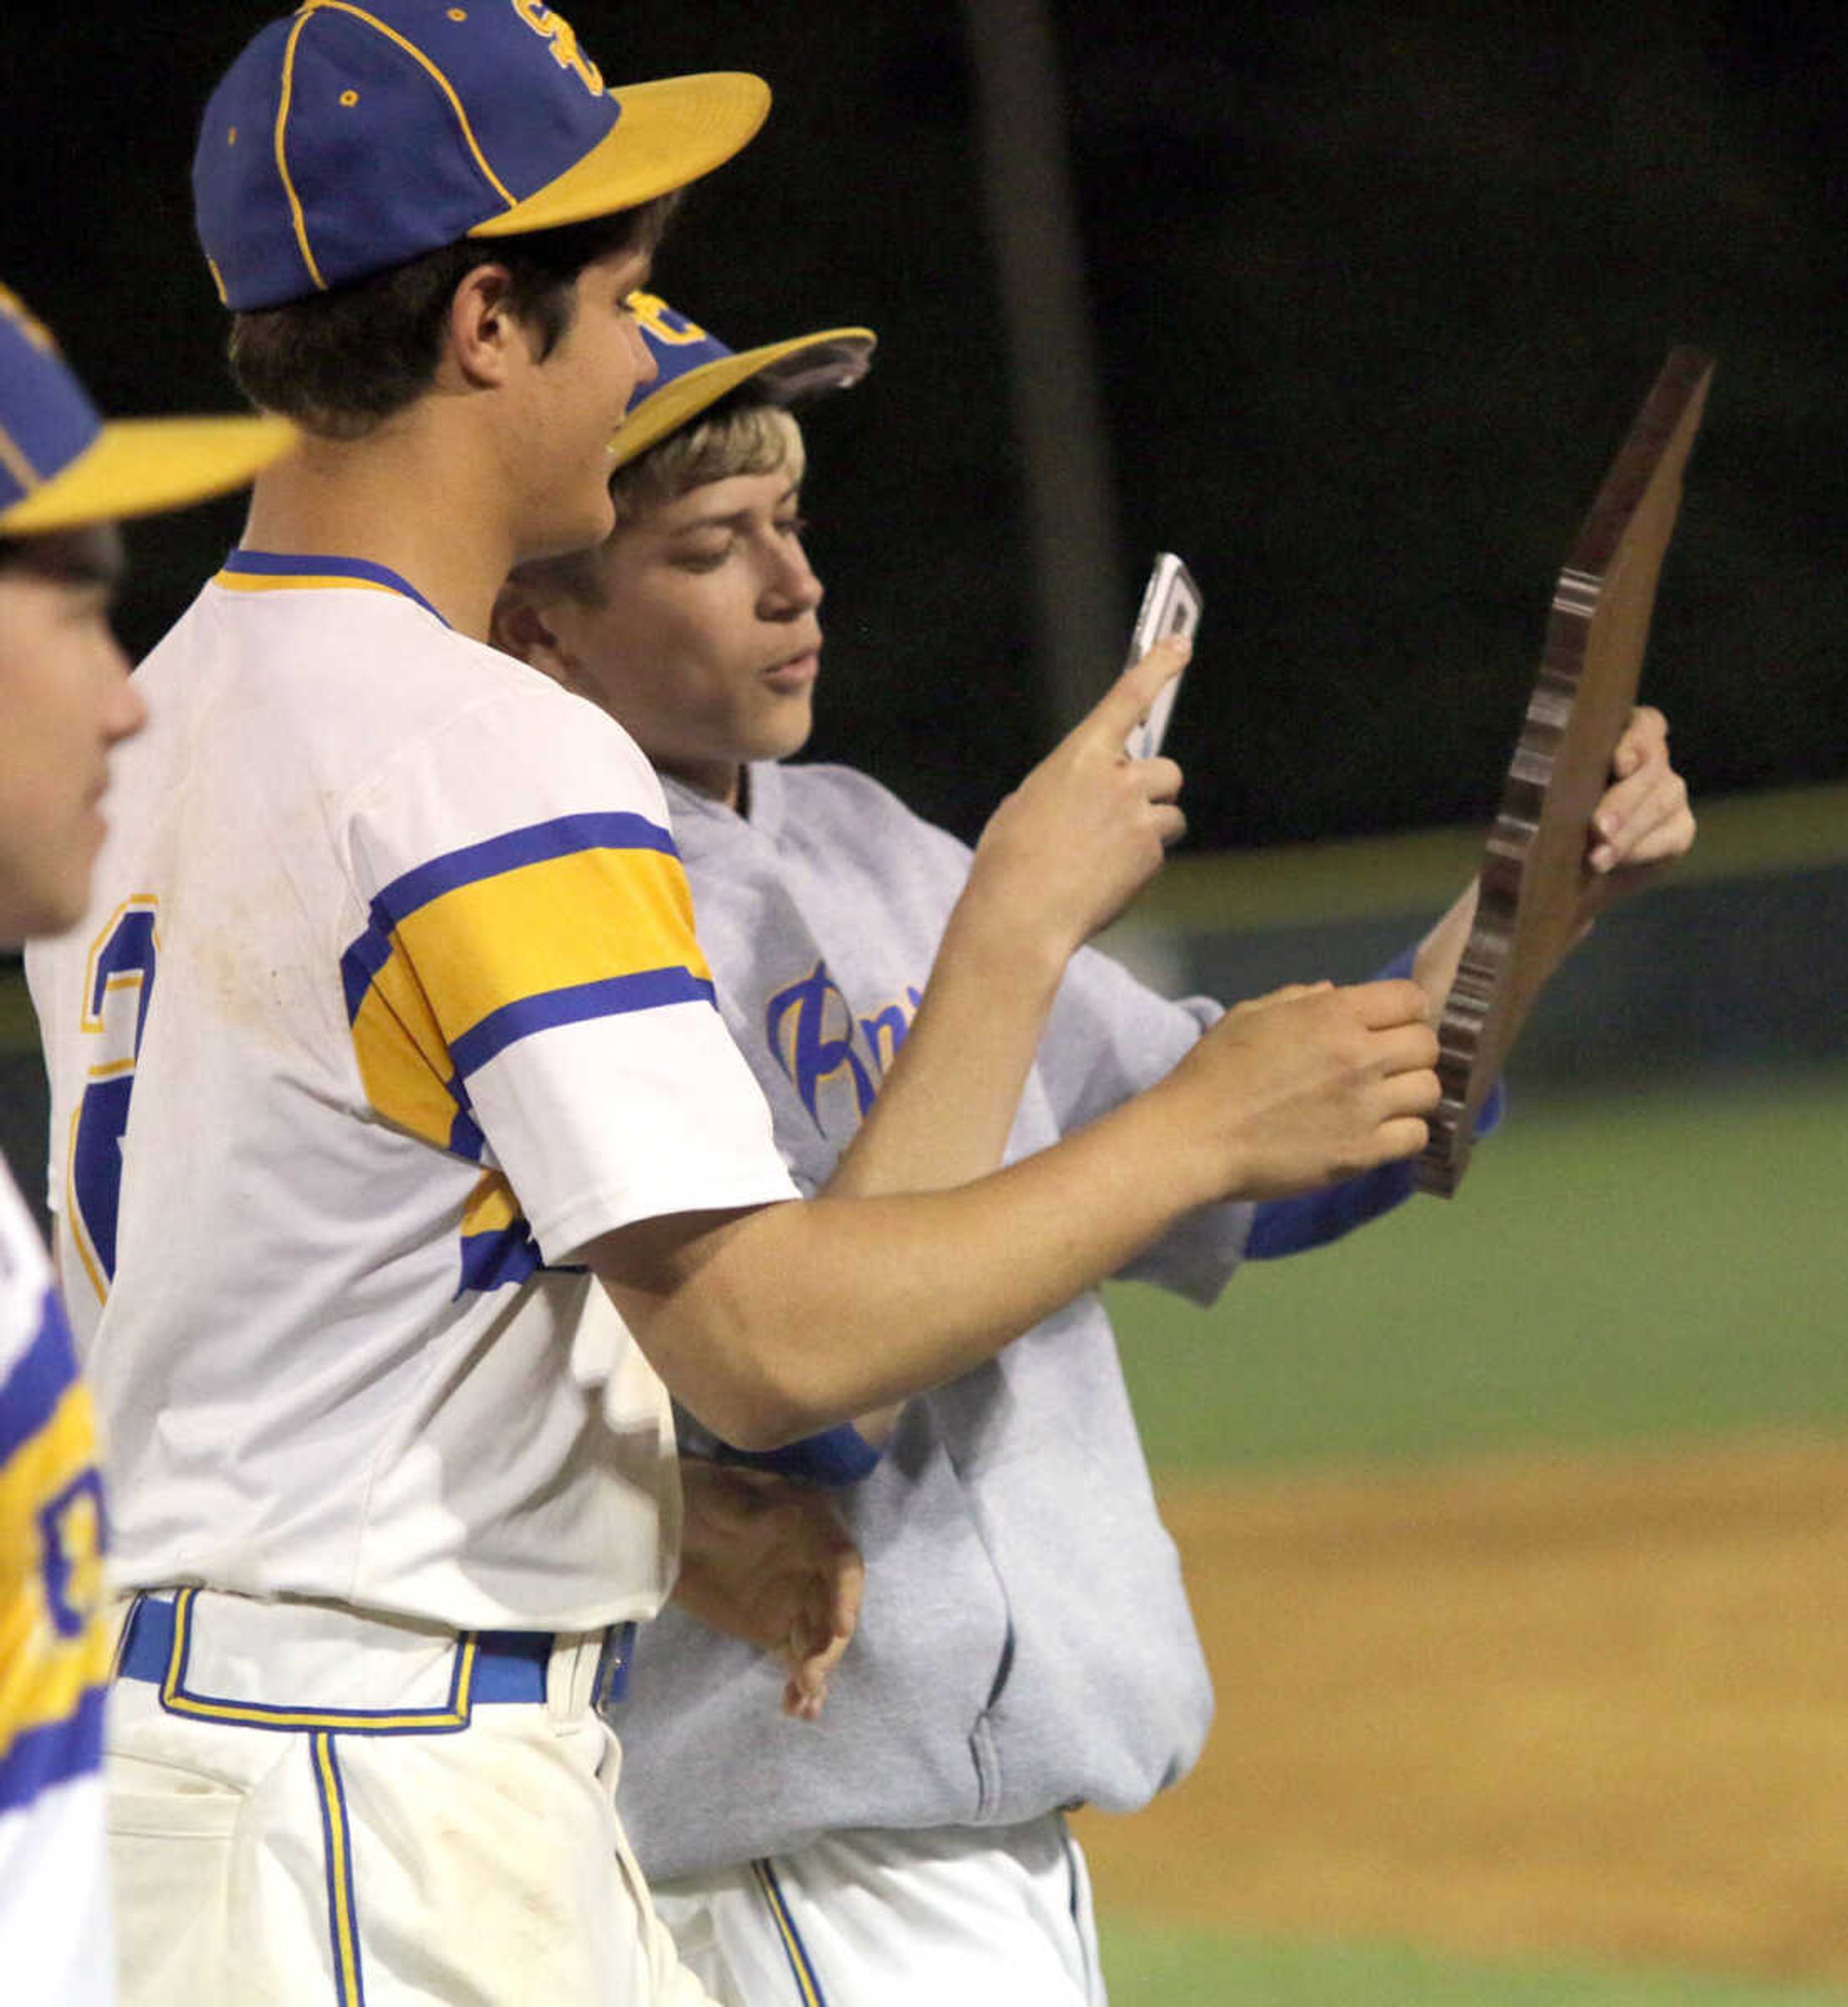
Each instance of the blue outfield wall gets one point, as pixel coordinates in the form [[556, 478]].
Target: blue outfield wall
[[1746, 972]]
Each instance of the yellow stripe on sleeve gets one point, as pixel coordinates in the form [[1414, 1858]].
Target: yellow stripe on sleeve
[[579, 919], [403, 1061]]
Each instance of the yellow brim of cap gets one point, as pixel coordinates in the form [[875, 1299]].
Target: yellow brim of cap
[[838, 357], [135, 466], [669, 133]]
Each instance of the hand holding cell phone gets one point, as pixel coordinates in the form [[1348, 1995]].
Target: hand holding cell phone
[[1171, 605]]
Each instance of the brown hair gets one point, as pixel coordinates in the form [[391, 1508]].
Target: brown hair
[[340, 361]]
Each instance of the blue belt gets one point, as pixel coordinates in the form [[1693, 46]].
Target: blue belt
[[507, 1665]]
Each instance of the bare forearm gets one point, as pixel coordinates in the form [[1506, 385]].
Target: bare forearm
[[947, 1102], [1059, 859], [792, 1318], [772, 1324]]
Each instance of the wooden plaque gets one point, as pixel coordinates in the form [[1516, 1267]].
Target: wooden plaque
[[1534, 874]]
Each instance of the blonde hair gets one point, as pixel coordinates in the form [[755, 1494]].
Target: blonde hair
[[732, 438]]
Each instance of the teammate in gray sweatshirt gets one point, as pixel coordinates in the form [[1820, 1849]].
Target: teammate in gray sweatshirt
[[1024, 1642]]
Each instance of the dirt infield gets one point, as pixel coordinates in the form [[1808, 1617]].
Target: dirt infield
[[1586, 1705]]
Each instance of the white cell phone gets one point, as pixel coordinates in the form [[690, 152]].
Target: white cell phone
[[1171, 605]]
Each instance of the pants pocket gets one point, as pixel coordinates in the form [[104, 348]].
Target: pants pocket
[[171, 1839], [163, 1801]]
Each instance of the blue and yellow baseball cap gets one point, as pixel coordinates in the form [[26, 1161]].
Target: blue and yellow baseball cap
[[62, 467], [695, 369], [347, 138]]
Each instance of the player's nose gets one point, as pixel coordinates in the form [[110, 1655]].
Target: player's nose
[[796, 585]]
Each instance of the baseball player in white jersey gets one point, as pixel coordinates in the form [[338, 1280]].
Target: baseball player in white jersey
[[1024, 1641], [386, 1073], [66, 699]]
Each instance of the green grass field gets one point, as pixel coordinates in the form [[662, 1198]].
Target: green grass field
[[1147, 1968], [1665, 1268]]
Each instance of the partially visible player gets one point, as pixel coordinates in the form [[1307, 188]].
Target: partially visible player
[[1024, 1641], [404, 1160], [66, 700]]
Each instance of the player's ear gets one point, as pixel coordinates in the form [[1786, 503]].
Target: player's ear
[[518, 626], [482, 330]]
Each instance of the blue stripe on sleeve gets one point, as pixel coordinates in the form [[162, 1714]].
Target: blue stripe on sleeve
[[44, 1375], [360, 963], [648, 989], [538, 843], [53, 1753]]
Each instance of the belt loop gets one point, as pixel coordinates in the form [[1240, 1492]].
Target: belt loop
[[613, 1663], [588, 1672], [122, 1620], [568, 1677]]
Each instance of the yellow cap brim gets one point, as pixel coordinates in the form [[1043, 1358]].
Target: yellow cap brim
[[669, 133], [790, 371], [136, 466]]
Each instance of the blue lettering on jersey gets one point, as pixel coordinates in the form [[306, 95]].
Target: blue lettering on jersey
[[885, 1029], [122, 961], [815, 1036]]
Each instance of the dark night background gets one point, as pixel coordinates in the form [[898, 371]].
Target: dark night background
[[1374, 292]]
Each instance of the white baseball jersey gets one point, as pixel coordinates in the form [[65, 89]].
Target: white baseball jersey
[[389, 1003], [55, 1942]]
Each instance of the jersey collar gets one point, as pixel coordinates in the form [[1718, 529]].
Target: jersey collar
[[271, 571]]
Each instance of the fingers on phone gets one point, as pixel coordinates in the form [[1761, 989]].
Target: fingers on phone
[[1126, 704]]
